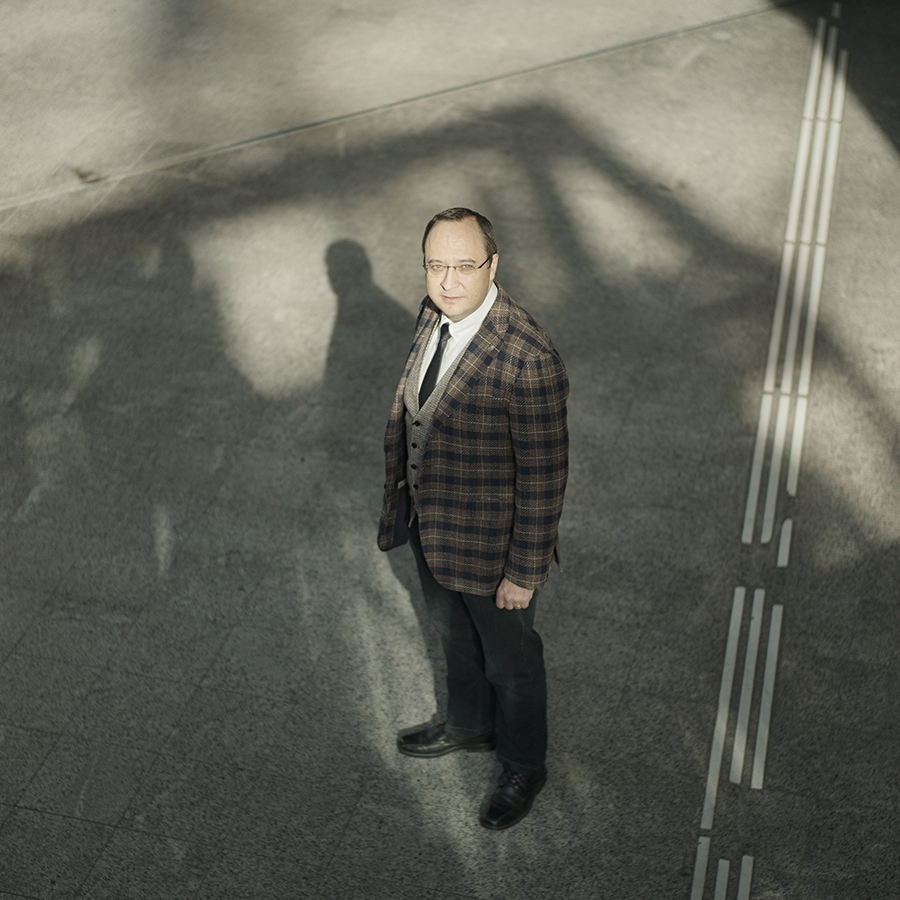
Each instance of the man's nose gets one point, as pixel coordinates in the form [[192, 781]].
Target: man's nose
[[450, 277]]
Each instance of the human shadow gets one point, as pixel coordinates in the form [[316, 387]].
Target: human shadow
[[369, 343]]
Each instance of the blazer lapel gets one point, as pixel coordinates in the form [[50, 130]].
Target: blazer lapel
[[480, 353]]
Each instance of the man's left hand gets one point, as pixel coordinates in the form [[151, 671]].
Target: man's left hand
[[511, 596]]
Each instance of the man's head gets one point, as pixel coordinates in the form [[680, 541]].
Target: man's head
[[460, 261]]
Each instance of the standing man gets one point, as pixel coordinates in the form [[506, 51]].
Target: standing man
[[476, 464]]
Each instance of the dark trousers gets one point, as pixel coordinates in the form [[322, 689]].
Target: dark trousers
[[495, 668]]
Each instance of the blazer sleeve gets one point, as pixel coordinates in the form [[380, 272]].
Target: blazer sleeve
[[540, 440]]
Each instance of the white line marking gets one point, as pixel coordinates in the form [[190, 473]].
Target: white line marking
[[834, 134], [700, 867], [815, 70], [827, 75], [840, 90], [762, 432], [765, 710], [784, 279], [746, 878], [722, 879], [797, 446], [768, 526], [718, 744], [817, 155], [806, 128], [787, 373], [812, 319], [743, 719], [784, 545]]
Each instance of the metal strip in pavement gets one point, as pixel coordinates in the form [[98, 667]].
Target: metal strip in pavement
[[762, 431], [743, 719], [812, 318], [768, 526], [722, 879], [765, 710], [815, 69], [796, 446], [718, 743], [828, 182], [784, 280], [784, 545], [746, 878], [787, 374], [834, 135], [701, 864]]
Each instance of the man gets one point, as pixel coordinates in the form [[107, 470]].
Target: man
[[476, 464]]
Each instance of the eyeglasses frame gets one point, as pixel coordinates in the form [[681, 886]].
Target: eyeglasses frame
[[426, 267]]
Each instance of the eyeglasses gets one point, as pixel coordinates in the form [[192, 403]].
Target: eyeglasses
[[462, 269]]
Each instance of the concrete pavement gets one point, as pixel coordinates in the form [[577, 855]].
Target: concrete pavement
[[209, 268]]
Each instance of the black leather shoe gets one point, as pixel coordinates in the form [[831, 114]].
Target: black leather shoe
[[434, 741], [512, 798]]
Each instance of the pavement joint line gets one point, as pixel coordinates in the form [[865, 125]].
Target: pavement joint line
[[220, 149]]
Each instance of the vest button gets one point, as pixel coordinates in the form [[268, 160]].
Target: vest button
[[415, 487], [417, 424], [414, 446], [414, 466]]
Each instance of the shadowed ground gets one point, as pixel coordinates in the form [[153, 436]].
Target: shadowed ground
[[205, 660]]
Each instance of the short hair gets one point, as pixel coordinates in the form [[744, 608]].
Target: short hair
[[458, 214]]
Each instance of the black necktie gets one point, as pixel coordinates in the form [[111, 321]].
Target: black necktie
[[431, 373]]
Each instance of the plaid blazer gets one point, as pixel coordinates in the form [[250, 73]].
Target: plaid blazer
[[495, 467]]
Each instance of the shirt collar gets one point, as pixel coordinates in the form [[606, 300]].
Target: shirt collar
[[472, 322]]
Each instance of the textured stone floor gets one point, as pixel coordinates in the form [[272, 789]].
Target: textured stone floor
[[209, 269]]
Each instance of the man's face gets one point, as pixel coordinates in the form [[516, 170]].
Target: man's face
[[453, 244]]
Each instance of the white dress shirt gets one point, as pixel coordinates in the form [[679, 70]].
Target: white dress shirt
[[461, 334]]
